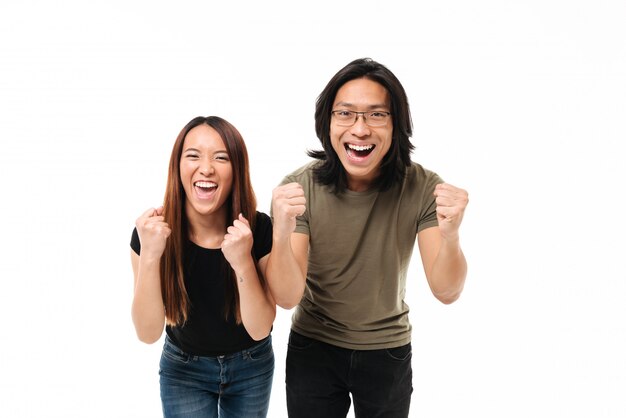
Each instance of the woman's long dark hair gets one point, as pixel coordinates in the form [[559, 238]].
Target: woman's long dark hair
[[242, 200], [330, 171]]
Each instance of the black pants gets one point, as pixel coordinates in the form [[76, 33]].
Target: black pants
[[320, 378]]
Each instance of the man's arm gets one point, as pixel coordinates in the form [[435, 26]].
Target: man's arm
[[443, 260], [287, 263], [286, 267]]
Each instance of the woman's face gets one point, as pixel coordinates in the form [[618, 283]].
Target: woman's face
[[205, 172]]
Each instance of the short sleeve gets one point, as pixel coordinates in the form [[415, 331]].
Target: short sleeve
[[285, 180], [135, 244], [302, 221], [262, 235], [427, 216]]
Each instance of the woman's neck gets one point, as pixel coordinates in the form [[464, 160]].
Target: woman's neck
[[207, 231]]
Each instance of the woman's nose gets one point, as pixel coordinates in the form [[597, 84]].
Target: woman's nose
[[206, 169]]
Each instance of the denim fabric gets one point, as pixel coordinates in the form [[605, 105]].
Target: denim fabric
[[230, 386], [321, 377]]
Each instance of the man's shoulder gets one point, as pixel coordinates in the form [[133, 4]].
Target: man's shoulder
[[419, 170], [304, 172], [420, 180]]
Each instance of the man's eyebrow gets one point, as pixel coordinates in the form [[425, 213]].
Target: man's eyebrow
[[372, 106]]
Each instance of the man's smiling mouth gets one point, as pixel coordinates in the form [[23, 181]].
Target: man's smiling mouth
[[359, 151]]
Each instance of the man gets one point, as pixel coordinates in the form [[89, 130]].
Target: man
[[345, 227]]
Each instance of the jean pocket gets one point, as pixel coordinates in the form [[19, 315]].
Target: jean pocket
[[173, 353], [299, 342], [261, 351], [399, 353]]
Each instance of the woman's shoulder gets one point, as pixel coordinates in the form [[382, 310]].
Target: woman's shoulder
[[135, 243], [263, 220], [262, 234]]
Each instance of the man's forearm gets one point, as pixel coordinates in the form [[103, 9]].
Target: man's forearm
[[284, 275], [448, 274]]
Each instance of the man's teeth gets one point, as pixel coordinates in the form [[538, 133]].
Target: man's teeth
[[360, 147], [205, 184]]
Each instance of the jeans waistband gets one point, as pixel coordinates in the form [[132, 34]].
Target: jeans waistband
[[242, 353]]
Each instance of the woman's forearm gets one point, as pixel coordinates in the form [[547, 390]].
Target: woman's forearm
[[148, 312], [257, 308]]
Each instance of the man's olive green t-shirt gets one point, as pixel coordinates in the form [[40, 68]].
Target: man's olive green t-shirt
[[360, 246]]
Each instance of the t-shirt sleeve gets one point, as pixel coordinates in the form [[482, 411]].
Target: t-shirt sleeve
[[134, 242], [302, 222], [302, 176], [262, 235], [285, 180], [427, 216]]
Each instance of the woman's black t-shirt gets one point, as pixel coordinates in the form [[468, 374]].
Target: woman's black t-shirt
[[206, 272]]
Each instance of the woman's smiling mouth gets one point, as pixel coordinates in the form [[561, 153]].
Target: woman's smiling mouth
[[205, 189]]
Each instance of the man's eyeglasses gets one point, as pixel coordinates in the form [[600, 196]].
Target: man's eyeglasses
[[371, 118]]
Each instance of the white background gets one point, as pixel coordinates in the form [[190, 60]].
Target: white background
[[522, 103]]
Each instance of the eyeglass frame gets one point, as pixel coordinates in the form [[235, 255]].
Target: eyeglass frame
[[357, 114]]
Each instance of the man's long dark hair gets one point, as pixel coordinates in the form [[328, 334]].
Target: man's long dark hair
[[393, 166]]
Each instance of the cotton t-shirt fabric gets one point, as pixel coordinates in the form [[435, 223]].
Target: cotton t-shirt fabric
[[360, 246], [207, 332]]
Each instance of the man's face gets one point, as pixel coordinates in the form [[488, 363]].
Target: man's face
[[361, 147]]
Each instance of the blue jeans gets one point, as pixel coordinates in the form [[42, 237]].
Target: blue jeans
[[230, 386], [320, 378]]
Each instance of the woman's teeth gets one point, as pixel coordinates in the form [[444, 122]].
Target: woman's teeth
[[205, 184]]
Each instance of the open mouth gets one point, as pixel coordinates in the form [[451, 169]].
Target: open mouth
[[204, 188], [359, 151]]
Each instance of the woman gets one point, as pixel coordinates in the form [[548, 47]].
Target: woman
[[199, 263]]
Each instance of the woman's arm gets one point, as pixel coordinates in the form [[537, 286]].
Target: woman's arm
[[256, 304], [257, 307], [147, 310]]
